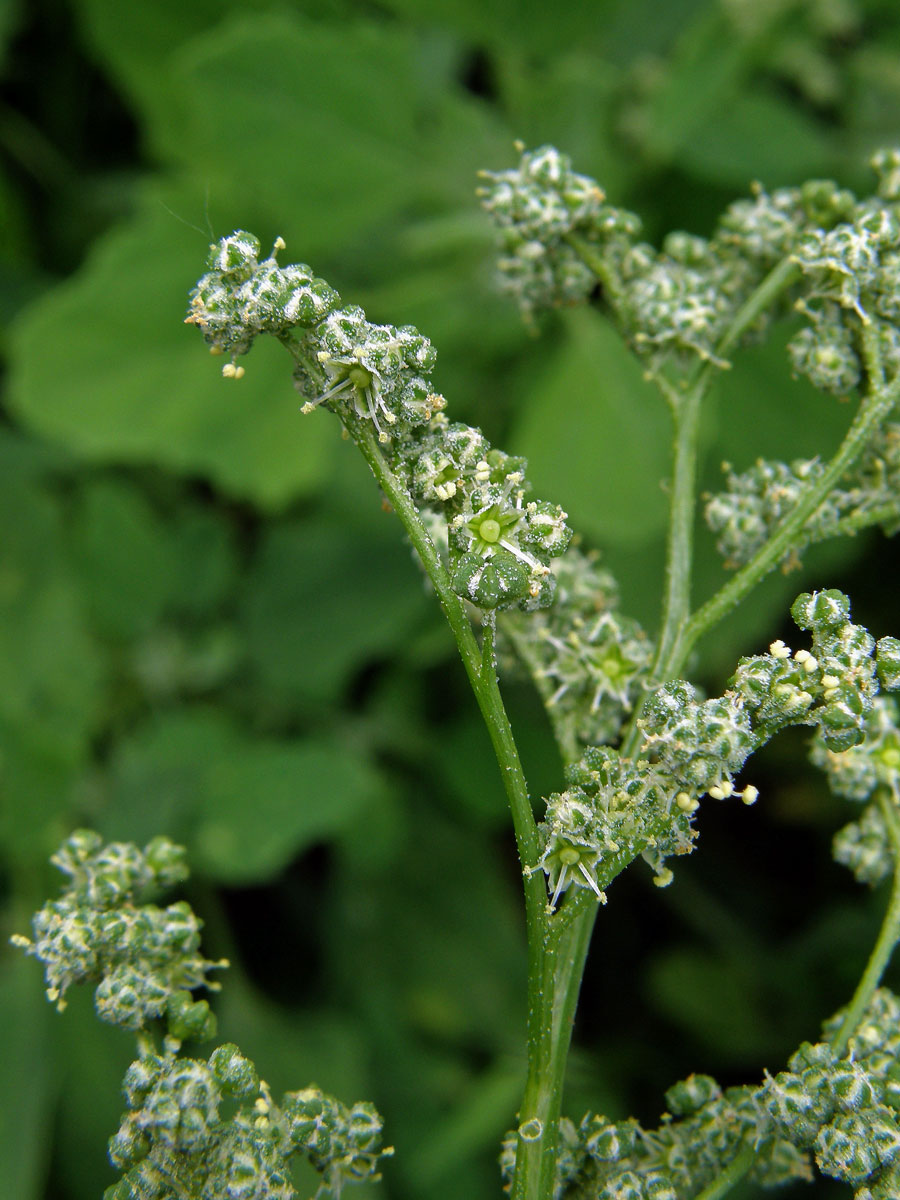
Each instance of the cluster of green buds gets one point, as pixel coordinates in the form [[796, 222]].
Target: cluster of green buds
[[560, 240], [845, 1109], [499, 539], [832, 686], [613, 810], [869, 773], [840, 1110], [210, 1129], [201, 1128], [360, 370], [241, 297], [145, 960], [700, 745], [588, 660], [747, 513], [537, 205], [617, 808]]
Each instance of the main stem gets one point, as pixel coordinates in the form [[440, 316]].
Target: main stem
[[555, 958]]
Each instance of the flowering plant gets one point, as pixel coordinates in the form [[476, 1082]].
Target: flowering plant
[[644, 749]]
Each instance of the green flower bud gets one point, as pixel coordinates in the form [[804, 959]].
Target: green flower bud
[[236, 1074]]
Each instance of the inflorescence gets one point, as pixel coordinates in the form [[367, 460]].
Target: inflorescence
[[499, 539], [817, 251], [560, 241], [202, 1128], [144, 960], [617, 808], [840, 1110]]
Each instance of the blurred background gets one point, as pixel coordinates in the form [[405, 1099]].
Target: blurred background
[[209, 628]]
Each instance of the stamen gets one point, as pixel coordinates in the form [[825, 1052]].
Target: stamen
[[559, 884], [592, 882]]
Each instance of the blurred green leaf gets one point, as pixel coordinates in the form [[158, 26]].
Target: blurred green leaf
[[126, 382], [51, 670], [27, 1084], [701, 77], [265, 802], [321, 119], [758, 136], [205, 560], [246, 806], [321, 601], [123, 557], [135, 41], [596, 435]]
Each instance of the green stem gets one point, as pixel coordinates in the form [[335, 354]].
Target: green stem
[[676, 607], [483, 682], [873, 410], [679, 549], [888, 936], [549, 1015], [594, 260], [564, 954], [733, 1174], [680, 544]]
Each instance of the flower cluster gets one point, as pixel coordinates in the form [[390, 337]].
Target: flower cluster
[[699, 744], [499, 539], [832, 686], [375, 373], [144, 959], [588, 659], [241, 297], [840, 1109], [177, 1139], [614, 809], [560, 239], [617, 808], [748, 512], [844, 1108], [536, 205]]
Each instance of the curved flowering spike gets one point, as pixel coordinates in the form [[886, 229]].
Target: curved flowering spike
[[240, 297], [144, 959]]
